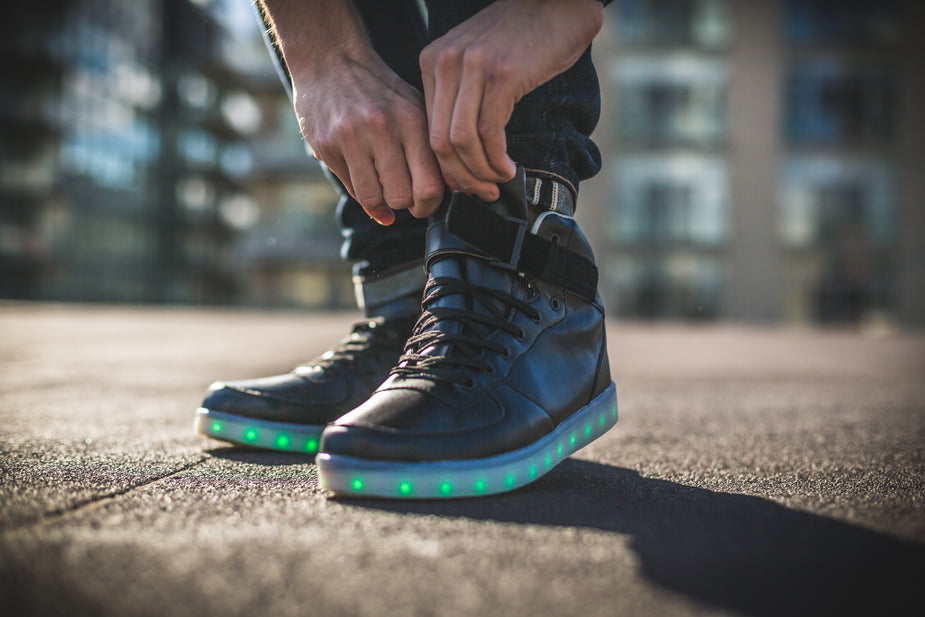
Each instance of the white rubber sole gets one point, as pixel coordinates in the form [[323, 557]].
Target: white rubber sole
[[243, 431], [347, 475]]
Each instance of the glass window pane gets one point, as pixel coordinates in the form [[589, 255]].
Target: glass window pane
[[678, 99], [705, 23]]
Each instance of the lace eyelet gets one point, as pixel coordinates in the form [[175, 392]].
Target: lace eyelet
[[554, 238], [505, 353], [468, 384], [555, 304], [490, 370], [537, 318], [521, 334]]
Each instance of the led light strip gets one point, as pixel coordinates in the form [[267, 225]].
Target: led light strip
[[258, 433], [470, 478]]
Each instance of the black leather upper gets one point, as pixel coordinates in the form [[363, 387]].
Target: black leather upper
[[324, 389], [453, 399]]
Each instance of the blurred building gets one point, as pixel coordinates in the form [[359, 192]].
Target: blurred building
[[149, 154], [763, 160]]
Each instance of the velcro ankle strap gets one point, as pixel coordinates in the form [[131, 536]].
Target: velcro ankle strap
[[507, 240]]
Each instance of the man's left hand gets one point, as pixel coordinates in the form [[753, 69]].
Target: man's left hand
[[474, 75]]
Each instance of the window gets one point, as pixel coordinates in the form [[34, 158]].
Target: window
[[668, 286], [677, 99], [824, 199], [705, 23], [829, 102], [817, 22], [681, 200]]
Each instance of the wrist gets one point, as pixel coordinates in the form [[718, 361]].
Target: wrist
[[319, 35]]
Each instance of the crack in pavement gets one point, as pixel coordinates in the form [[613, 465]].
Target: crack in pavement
[[56, 515]]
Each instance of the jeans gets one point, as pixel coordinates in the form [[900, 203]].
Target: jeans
[[548, 133]]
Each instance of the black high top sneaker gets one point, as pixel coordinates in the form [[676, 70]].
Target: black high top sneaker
[[506, 373], [288, 412]]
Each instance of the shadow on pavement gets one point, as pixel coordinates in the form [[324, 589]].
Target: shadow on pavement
[[737, 552]]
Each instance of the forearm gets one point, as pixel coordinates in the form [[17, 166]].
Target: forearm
[[314, 34]]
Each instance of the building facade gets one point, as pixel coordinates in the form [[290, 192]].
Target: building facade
[[761, 160], [149, 154]]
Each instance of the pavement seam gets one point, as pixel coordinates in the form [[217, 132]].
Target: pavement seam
[[93, 503]]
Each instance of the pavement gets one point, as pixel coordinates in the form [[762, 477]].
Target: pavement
[[754, 471]]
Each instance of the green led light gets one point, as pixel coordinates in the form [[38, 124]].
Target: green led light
[[532, 471], [446, 488], [283, 440], [216, 427], [571, 440], [509, 481], [357, 484], [250, 434], [311, 445], [405, 488], [559, 450], [587, 430], [549, 460], [603, 420], [613, 411], [480, 486]]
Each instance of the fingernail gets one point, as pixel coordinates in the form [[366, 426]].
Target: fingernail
[[385, 220]]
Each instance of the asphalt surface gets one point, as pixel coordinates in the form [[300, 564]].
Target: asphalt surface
[[753, 472]]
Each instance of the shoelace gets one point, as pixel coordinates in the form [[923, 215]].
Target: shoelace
[[367, 343], [466, 348]]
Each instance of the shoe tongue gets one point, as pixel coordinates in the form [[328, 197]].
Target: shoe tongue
[[450, 257], [477, 271]]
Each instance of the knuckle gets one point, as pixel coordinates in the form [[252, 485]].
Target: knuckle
[[440, 144], [448, 58], [429, 193], [369, 200], [487, 129], [400, 202], [503, 71], [428, 57], [342, 131], [468, 184], [462, 138], [376, 120], [474, 58]]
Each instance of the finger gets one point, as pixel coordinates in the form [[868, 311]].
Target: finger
[[367, 189], [494, 115], [427, 183], [338, 167], [452, 167], [394, 176], [464, 127]]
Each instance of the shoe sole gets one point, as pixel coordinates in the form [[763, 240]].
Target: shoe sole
[[302, 438], [347, 475]]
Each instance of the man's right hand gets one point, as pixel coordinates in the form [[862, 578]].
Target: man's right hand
[[361, 119]]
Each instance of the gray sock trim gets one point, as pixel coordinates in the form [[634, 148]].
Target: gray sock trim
[[550, 195]]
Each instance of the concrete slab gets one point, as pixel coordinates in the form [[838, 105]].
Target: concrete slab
[[753, 472]]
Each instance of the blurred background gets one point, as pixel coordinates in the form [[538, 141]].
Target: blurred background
[[763, 161]]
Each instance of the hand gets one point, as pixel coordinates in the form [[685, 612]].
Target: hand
[[475, 74], [370, 128]]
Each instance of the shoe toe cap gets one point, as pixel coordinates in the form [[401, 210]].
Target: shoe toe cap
[[414, 426]]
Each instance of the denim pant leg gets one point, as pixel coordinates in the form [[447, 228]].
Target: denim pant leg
[[549, 133], [398, 34]]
